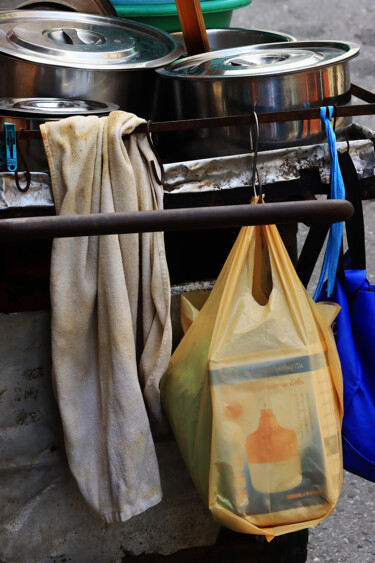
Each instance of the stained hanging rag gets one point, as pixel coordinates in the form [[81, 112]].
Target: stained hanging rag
[[110, 298]]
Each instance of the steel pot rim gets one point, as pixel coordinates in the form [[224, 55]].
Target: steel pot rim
[[24, 52], [288, 38], [170, 71], [48, 107]]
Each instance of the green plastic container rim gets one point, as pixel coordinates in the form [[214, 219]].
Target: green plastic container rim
[[171, 9]]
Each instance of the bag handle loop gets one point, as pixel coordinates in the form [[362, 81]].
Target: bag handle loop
[[333, 248]]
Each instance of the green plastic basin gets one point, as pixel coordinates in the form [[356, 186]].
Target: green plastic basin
[[216, 13]]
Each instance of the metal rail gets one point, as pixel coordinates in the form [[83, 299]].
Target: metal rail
[[323, 211], [236, 120]]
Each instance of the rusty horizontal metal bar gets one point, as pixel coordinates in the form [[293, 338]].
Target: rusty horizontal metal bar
[[362, 94], [246, 119], [322, 211], [236, 120]]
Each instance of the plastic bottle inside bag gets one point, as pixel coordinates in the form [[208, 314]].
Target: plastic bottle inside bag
[[273, 456]]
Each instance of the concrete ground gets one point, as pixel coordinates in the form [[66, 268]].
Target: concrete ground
[[348, 535]]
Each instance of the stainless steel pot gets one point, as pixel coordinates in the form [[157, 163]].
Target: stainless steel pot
[[29, 113], [71, 55], [229, 37], [264, 78]]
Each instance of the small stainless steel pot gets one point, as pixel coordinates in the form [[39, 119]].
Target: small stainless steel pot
[[72, 55], [263, 78], [29, 113], [229, 37]]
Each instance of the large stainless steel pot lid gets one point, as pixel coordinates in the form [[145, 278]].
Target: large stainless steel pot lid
[[47, 107], [260, 60], [84, 41]]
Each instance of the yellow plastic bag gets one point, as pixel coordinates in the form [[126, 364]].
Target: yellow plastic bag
[[253, 394], [191, 304]]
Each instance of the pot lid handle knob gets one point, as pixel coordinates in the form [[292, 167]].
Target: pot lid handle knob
[[73, 36]]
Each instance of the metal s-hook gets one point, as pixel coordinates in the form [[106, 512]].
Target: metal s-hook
[[347, 140], [254, 147], [161, 180], [27, 170]]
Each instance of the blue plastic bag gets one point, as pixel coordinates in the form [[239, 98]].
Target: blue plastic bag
[[332, 253]]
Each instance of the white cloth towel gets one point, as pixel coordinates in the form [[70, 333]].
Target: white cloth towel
[[110, 299]]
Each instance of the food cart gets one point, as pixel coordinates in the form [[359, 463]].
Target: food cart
[[45, 517]]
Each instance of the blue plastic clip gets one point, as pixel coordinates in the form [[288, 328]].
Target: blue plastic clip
[[10, 146]]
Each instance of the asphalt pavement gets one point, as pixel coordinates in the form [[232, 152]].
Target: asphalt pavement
[[348, 535]]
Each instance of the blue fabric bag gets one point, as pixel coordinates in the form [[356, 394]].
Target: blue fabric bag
[[356, 347], [355, 335]]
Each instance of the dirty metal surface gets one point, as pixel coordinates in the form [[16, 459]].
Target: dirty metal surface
[[280, 165], [38, 195], [220, 173]]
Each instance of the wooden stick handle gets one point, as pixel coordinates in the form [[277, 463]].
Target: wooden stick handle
[[193, 26]]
